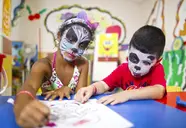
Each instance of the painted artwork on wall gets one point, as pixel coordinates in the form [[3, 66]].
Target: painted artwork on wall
[[108, 47], [34, 16], [17, 53], [156, 16], [6, 18], [174, 70], [108, 22], [17, 11], [179, 32]]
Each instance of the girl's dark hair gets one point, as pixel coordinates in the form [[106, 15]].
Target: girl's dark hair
[[149, 39]]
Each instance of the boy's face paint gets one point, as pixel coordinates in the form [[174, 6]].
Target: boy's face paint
[[74, 41], [140, 63]]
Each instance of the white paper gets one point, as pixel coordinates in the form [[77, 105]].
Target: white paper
[[72, 114]]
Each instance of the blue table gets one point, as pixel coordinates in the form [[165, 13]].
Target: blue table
[[143, 114]]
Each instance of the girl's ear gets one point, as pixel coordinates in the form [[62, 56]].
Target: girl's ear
[[59, 36]]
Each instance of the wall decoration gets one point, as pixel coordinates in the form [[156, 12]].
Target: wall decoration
[[108, 47], [6, 19], [17, 10], [8, 68], [17, 53], [156, 16], [124, 47], [108, 22], [35, 16], [179, 32], [174, 70]]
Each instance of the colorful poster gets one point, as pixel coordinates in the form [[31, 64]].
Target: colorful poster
[[108, 47], [17, 54], [175, 70], [6, 23]]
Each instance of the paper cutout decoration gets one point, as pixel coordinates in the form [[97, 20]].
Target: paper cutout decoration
[[108, 23], [17, 11], [6, 19], [179, 32], [108, 47], [35, 16], [114, 29]]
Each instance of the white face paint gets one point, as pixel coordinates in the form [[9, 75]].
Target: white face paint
[[74, 41], [140, 63]]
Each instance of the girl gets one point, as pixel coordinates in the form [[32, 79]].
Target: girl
[[60, 74]]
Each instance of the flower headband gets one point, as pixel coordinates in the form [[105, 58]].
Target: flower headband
[[82, 18]]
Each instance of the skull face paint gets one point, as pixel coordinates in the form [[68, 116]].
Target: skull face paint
[[74, 41], [140, 63]]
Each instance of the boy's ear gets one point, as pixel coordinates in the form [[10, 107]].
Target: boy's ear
[[158, 61]]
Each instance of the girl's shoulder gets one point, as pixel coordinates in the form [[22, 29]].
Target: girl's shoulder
[[44, 64]]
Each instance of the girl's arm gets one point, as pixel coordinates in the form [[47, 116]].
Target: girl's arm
[[84, 75], [32, 83]]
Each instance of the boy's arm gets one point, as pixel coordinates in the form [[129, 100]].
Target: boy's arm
[[149, 92], [101, 87]]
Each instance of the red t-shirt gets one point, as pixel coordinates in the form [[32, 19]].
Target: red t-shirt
[[122, 77]]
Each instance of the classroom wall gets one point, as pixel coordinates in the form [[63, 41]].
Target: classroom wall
[[133, 13], [170, 13], [174, 59], [119, 8]]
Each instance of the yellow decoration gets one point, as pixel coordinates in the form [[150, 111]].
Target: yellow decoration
[[178, 43], [7, 65], [183, 32], [6, 22], [108, 45], [173, 89]]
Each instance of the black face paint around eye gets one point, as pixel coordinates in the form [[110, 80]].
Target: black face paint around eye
[[151, 58], [84, 45], [71, 36], [146, 63], [133, 58]]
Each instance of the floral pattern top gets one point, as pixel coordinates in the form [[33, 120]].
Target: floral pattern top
[[55, 83]]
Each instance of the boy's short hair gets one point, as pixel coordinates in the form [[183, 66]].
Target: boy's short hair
[[149, 39]]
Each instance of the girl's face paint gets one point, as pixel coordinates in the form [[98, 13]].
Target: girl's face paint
[[74, 41]]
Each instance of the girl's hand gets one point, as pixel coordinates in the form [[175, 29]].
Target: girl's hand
[[64, 91], [34, 114], [114, 99]]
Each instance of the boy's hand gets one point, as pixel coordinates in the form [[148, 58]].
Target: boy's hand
[[114, 99], [34, 114], [84, 94], [64, 91]]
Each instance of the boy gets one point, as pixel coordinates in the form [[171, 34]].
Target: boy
[[141, 78]]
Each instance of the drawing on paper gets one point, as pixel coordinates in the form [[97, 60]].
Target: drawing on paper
[[71, 114]]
